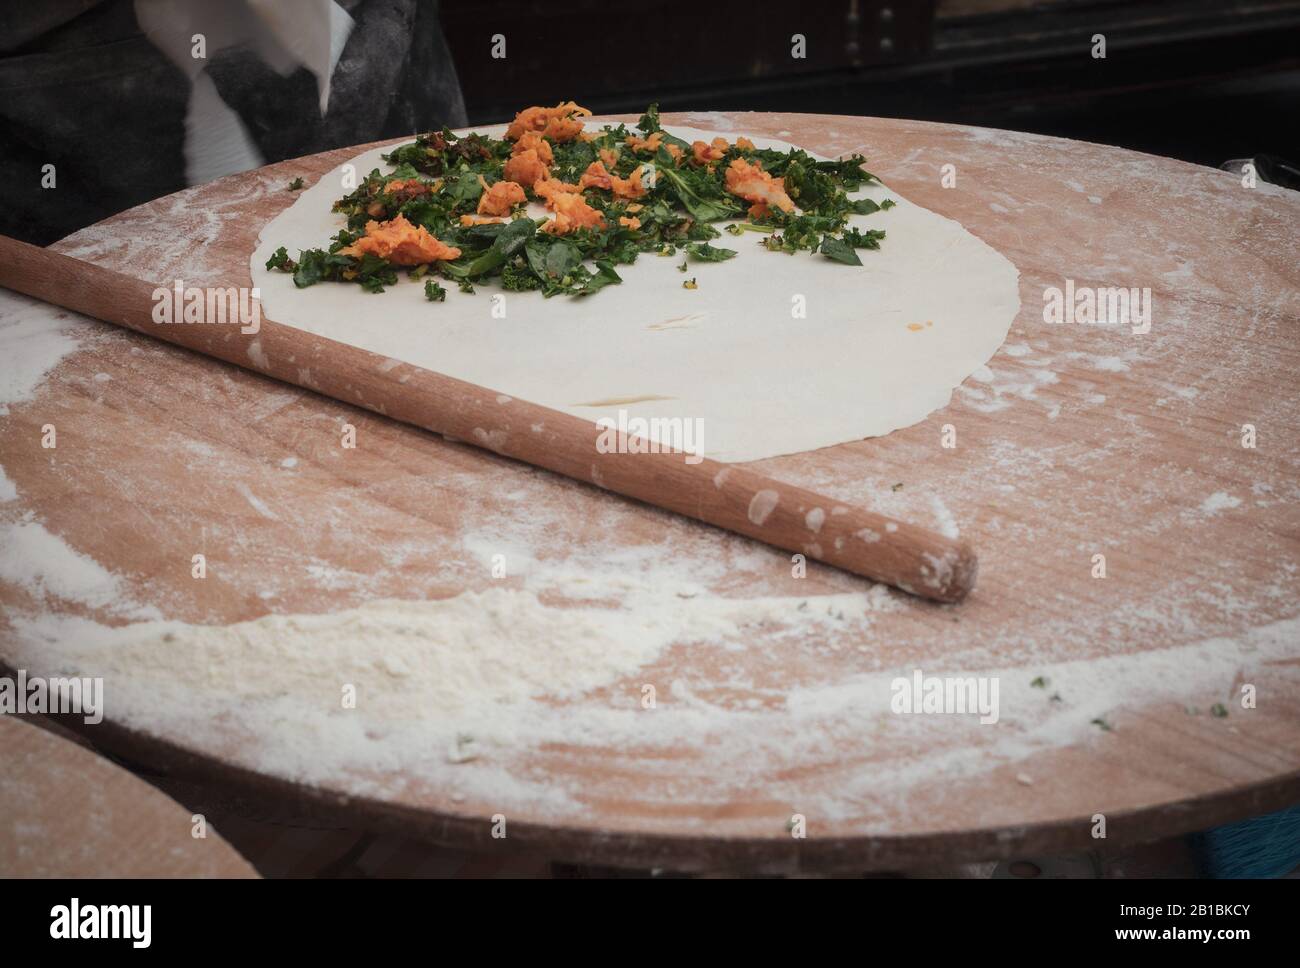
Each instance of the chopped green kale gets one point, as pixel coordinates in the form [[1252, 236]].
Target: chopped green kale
[[438, 181]]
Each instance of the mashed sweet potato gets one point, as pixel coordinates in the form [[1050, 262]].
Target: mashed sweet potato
[[401, 243], [560, 123], [548, 188], [703, 153], [525, 168], [652, 144], [571, 213], [533, 140], [499, 199], [597, 176], [753, 184]]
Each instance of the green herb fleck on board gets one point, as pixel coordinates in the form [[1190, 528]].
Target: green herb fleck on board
[[1101, 724], [296, 185], [434, 292], [1219, 710], [1041, 682]]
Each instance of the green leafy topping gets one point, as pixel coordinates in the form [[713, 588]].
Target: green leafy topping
[[506, 241], [280, 260], [602, 277], [317, 265], [439, 178], [466, 188], [649, 122], [870, 239], [700, 194], [839, 250], [707, 253]]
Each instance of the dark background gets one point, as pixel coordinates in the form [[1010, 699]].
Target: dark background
[[1202, 80], [83, 88]]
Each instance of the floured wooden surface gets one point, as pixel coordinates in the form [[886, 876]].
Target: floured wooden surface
[[65, 811], [1077, 440]]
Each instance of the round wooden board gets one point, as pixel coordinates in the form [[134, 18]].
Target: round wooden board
[[66, 812], [1077, 441]]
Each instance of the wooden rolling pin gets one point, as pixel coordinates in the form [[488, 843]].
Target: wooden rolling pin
[[912, 558]]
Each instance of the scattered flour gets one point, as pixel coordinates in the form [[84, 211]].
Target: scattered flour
[[33, 340], [947, 523], [1001, 388], [42, 564], [487, 668], [255, 502], [1219, 501], [814, 519], [762, 504], [1107, 364], [456, 692]]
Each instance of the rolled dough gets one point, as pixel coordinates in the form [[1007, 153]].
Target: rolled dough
[[876, 348]]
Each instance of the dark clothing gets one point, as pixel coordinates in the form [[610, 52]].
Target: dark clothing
[[83, 89]]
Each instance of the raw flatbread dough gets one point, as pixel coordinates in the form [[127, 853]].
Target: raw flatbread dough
[[881, 346]]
